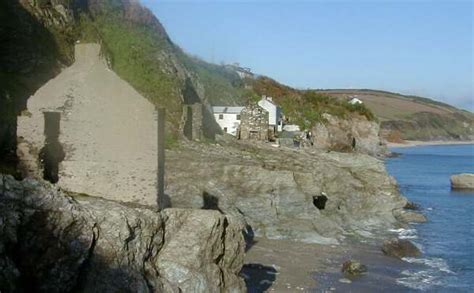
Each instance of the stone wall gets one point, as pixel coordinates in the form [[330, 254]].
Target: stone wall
[[107, 130], [254, 123]]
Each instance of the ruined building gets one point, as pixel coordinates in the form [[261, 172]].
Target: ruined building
[[254, 123], [90, 132]]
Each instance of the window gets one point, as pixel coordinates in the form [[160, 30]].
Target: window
[[238, 117], [221, 116], [225, 129]]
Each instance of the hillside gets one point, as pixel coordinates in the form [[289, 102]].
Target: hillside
[[413, 117], [37, 43]]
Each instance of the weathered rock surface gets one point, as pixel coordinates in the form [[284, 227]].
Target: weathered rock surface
[[353, 267], [462, 181], [410, 216], [278, 190], [351, 134], [400, 248], [53, 242]]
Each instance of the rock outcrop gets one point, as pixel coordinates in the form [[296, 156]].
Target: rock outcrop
[[304, 195], [54, 242], [400, 248], [351, 134], [462, 181]]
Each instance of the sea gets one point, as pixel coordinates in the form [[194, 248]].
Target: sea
[[447, 239]]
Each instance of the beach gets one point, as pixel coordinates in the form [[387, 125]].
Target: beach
[[289, 266], [413, 143]]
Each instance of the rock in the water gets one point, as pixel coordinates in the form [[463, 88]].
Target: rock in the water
[[410, 216], [400, 248], [353, 267], [411, 206], [53, 242], [462, 181]]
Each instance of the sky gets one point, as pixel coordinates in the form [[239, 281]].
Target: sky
[[411, 47]]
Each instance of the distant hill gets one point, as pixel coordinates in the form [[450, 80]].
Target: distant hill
[[412, 117]]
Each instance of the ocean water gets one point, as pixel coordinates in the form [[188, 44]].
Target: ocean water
[[447, 239]]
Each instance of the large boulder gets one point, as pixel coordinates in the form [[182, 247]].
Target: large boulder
[[55, 242], [400, 248], [353, 268], [462, 181]]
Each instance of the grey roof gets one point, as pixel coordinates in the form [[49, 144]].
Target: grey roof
[[230, 110]]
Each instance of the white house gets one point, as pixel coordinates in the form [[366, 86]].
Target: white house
[[228, 118], [275, 119]]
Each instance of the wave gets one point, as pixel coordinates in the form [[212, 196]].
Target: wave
[[421, 280], [433, 262], [424, 279], [405, 233]]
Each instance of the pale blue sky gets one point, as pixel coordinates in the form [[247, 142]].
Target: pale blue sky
[[413, 47]]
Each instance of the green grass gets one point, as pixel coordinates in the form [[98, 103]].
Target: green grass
[[222, 86], [309, 109]]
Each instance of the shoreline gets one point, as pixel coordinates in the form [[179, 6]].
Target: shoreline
[[289, 266], [416, 143]]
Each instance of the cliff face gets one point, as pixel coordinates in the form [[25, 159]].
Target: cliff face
[[351, 134], [53, 242]]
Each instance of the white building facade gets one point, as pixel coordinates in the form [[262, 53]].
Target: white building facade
[[228, 118], [275, 119]]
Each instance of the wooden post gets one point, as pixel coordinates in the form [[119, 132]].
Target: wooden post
[[161, 159], [52, 153]]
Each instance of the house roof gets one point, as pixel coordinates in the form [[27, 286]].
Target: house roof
[[229, 110]]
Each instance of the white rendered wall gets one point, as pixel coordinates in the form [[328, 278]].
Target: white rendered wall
[[272, 109], [229, 120]]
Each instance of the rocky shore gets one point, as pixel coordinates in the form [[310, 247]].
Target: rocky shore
[[305, 195], [218, 194]]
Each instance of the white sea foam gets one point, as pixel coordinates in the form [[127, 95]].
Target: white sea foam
[[433, 262], [405, 233], [424, 279], [421, 280]]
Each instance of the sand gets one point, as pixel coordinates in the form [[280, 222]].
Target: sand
[[288, 266], [413, 143]]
